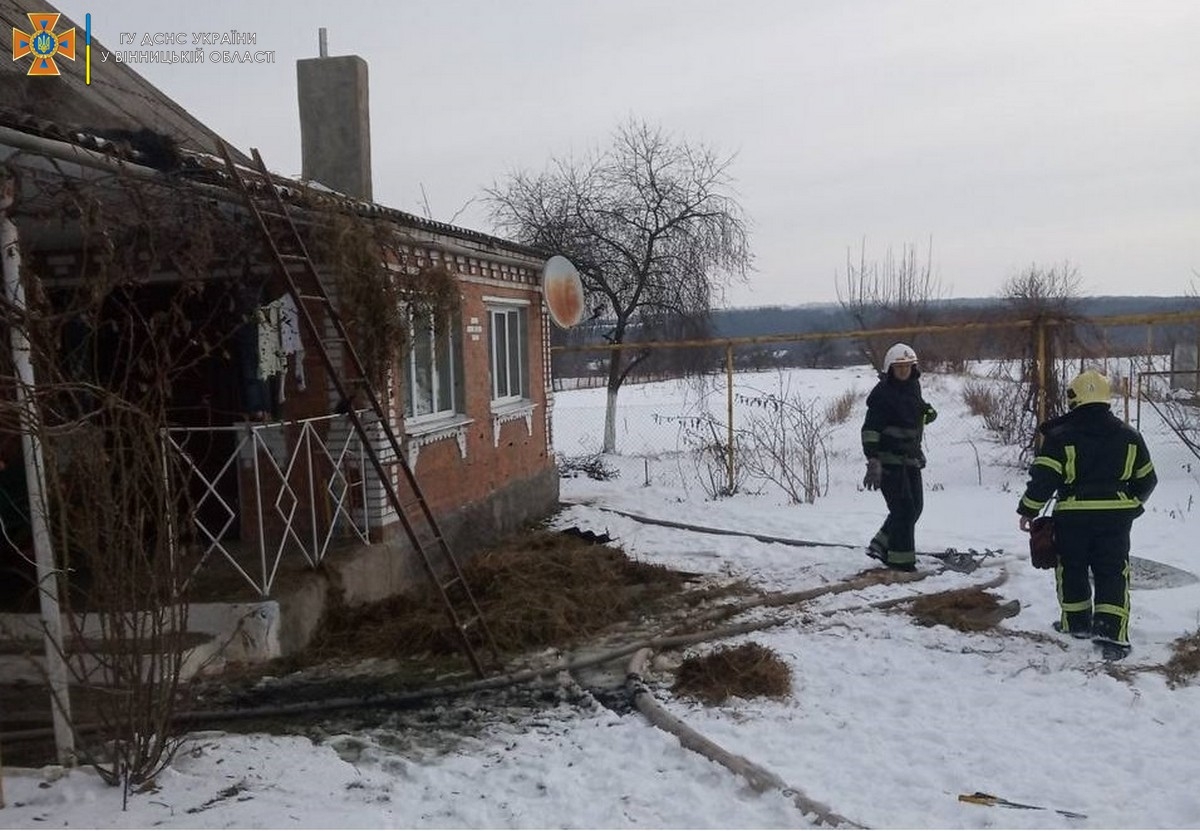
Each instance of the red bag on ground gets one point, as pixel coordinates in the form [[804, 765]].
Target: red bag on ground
[[1042, 552]]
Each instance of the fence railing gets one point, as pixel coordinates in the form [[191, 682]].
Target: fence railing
[[1175, 401], [1011, 374], [280, 489]]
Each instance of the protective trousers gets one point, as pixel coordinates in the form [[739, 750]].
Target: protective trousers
[[901, 488], [1093, 553]]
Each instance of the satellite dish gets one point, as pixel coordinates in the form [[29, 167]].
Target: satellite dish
[[563, 291]]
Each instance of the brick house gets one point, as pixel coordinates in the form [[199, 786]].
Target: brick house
[[280, 480]]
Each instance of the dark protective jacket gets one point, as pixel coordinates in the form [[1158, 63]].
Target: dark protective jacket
[[895, 422], [1094, 461]]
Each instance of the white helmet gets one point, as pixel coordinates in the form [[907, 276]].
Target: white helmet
[[900, 353]]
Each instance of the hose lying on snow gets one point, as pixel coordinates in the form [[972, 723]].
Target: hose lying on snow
[[759, 778], [413, 698]]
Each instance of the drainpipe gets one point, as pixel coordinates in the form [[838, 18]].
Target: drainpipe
[[31, 445]]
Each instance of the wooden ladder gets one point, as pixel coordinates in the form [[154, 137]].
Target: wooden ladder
[[304, 284]]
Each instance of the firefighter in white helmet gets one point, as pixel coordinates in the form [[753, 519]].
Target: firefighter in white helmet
[[1100, 469], [891, 440]]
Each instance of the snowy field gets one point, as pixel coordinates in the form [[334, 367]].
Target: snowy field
[[888, 721]]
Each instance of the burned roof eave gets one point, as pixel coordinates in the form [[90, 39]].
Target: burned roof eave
[[41, 151]]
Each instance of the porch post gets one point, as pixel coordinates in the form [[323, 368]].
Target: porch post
[[31, 445]]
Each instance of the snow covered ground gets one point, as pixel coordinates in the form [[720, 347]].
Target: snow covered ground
[[888, 721]]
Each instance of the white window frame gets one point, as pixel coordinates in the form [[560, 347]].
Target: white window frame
[[510, 311], [509, 407], [439, 424], [451, 339]]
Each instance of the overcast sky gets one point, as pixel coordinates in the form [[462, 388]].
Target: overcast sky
[[1009, 133]]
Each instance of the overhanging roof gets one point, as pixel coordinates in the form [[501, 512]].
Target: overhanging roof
[[65, 119], [117, 99]]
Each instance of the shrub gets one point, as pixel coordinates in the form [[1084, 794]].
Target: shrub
[[839, 409], [592, 466], [980, 398], [789, 438], [707, 439]]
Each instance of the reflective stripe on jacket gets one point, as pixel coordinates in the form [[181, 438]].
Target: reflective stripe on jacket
[[895, 421], [1093, 461]]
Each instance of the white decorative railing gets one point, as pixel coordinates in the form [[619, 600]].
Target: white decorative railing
[[307, 483]]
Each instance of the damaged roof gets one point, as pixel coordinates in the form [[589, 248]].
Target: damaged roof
[[123, 115], [117, 99]]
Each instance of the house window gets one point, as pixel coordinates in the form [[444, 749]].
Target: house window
[[433, 380], [507, 352]]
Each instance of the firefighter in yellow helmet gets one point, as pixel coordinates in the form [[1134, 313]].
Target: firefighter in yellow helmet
[[1101, 471], [891, 441]]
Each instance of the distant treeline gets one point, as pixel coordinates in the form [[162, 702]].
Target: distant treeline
[[949, 349], [831, 317]]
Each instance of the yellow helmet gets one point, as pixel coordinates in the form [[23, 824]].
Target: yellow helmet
[[1089, 387]]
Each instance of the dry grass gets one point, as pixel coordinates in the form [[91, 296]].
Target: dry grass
[[536, 589], [1184, 662], [980, 398], [967, 610], [838, 410], [745, 671]]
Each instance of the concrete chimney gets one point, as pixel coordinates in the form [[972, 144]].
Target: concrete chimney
[[335, 122]]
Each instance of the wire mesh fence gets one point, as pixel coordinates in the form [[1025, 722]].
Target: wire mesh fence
[[786, 411]]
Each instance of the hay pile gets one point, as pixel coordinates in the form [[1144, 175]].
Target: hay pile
[[967, 610], [1184, 662], [536, 589], [746, 671]]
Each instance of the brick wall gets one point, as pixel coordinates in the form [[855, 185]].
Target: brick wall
[[521, 448], [500, 455]]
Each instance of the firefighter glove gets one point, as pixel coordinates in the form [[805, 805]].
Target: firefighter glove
[[930, 414], [874, 476]]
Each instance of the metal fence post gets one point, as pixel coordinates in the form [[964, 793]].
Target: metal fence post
[[1138, 404], [1041, 371], [729, 413]]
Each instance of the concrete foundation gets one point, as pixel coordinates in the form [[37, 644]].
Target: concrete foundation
[[224, 633], [370, 573]]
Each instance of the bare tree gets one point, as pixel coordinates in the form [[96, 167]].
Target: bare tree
[[652, 225], [1048, 297], [1037, 290], [897, 291]]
